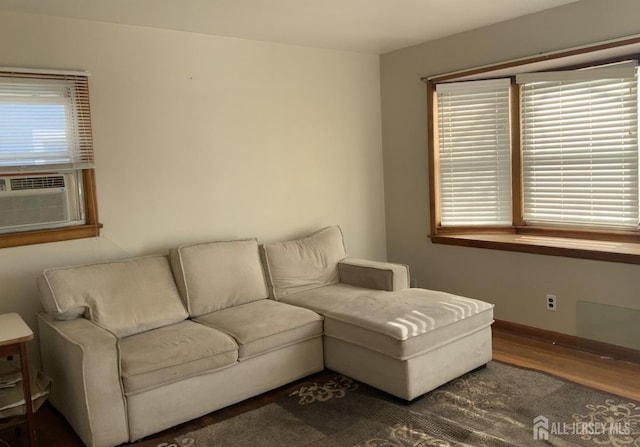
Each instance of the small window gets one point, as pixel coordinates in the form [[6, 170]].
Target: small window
[[47, 187], [475, 153], [580, 147]]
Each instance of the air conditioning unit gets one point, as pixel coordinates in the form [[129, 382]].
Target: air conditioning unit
[[33, 202]]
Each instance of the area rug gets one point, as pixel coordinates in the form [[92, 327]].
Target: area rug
[[496, 406]]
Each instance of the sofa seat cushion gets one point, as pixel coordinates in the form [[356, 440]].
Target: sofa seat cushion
[[323, 299], [124, 297], [171, 353], [407, 323], [265, 325]]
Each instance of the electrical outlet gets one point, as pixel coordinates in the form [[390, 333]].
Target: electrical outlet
[[552, 303]]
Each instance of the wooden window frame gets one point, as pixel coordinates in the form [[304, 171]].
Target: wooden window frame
[[604, 245]]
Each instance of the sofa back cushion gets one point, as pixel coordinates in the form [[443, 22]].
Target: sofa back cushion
[[218, 275], [304, 264], [124, 297]]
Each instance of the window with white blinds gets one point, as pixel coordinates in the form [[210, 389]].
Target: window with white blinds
[[44, 121], [474, 153], [47, 181], [580, 147]]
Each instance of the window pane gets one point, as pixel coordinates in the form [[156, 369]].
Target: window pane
[[44, 123], [475, 155], [580, 152], [33, 133]]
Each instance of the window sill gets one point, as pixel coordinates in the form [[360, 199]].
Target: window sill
[[53, 235], [612, 251]]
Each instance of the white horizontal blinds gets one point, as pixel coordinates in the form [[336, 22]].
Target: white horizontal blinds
[[475, 155], [45, 122], [580, 147]]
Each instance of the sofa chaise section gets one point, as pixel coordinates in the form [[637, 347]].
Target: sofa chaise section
[[412, 341], [376, 329]]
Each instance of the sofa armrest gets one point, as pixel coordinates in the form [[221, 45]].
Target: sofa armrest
[[373, 275], [83, 362]]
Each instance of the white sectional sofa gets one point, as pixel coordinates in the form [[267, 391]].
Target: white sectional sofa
[[140, 345]]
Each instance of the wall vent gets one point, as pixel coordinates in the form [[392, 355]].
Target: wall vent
[[42, 182]]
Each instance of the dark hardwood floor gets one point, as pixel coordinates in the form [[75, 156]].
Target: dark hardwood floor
[[615, 376]]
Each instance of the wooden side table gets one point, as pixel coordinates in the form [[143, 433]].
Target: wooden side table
[[14, 335]]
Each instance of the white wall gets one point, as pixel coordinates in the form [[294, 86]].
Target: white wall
[[515, 282], [202, 138]]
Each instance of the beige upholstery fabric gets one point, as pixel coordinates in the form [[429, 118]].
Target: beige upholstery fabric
[[265, 325], [141, 368], [407, 323], [172, 353], [374, 275], [218, 275], [167, 406], [82, 361], [124, 297], [304, 264], [50, 305], [323, 299], [410, 378]]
